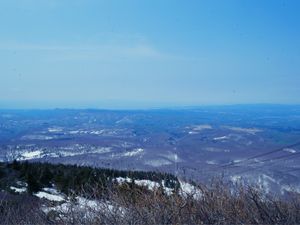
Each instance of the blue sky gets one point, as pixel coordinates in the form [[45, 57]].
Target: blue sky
[[94, 53]]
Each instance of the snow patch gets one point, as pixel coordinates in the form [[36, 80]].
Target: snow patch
[[252, 131], [187, 189], [122, 180], [211, 162], [289, 188], [238, 160], [31, 155], [100, 150], [55, 129], [51, 197], [236, 178], [18, 190], [172, 157], [221, 138], [197, 128], [37, 137], [290, 150], [213, 149], [264, 182], [86, 207], [134, 152], [158, 162], [151, 185]]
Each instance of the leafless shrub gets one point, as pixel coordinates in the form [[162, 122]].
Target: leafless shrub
[[131, 204], [20, 209]]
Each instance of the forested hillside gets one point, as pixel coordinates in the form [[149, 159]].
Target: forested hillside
[[73, 179]]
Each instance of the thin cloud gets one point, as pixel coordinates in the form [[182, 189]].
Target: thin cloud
[[94, 52]]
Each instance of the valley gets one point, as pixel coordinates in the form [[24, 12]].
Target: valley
[[257, 144]]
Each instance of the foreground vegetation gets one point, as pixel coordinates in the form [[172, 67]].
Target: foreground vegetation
[[127, 203]]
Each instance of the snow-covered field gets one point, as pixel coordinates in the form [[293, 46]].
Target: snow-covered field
[[63, 152]]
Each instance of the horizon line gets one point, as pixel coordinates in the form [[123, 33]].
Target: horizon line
[[148, 107]]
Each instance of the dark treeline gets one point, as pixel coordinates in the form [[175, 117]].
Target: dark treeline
[[72, 178]]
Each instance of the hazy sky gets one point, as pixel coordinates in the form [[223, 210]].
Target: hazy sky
[[94, 53]]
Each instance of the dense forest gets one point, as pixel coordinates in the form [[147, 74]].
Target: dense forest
[[71, 178]]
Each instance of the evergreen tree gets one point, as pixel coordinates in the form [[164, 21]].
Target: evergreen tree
[[16, 165], [46, 176], [2, 173], [33, 185]]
